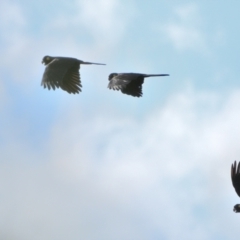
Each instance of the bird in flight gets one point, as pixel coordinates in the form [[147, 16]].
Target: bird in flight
[[129, 83], [235, 174], [63, 72]]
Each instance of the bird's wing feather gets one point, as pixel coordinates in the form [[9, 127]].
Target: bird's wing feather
[[235, 175], [71, 81], [134, 88], [119, 82], [55, 72], [128, 83]]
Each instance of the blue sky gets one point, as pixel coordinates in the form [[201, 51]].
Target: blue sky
[[102, 165]]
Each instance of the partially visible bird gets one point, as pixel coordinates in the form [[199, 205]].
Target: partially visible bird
[[63, 72], [129, 83], [235, 175]]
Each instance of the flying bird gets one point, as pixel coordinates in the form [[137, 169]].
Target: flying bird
[[129, 83], [63, 72], [235, 174]]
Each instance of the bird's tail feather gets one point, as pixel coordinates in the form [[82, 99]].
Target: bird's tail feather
[[93, 63], [156, 75]]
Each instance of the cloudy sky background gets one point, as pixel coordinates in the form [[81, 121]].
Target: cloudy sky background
[[102, 165]]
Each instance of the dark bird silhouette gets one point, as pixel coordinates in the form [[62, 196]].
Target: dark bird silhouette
[[235, 174], [129, 83], [63, 72]]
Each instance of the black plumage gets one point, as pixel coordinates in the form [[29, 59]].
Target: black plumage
[[129, 83], [235, 175], [63, 72]]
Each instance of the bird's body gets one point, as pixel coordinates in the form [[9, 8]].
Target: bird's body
[[235, 175], [129, 83], [63, 72]]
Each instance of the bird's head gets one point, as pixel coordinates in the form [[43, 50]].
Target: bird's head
[[112, 75], [47, 59], [236, 208]]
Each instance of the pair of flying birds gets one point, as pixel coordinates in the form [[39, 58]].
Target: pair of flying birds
[[63, 72]]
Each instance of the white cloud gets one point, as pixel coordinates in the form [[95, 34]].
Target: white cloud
[[185, 37], [17, 48], [102, 16], [11, 18], [185, 31], [103, 22], [115, 177]]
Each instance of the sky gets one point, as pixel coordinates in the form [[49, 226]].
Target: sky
[[102, 165]]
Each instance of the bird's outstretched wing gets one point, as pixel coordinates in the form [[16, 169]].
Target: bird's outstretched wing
[[71, 81], [235, 175], [134, 88], [128, 83], [64, 73]]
